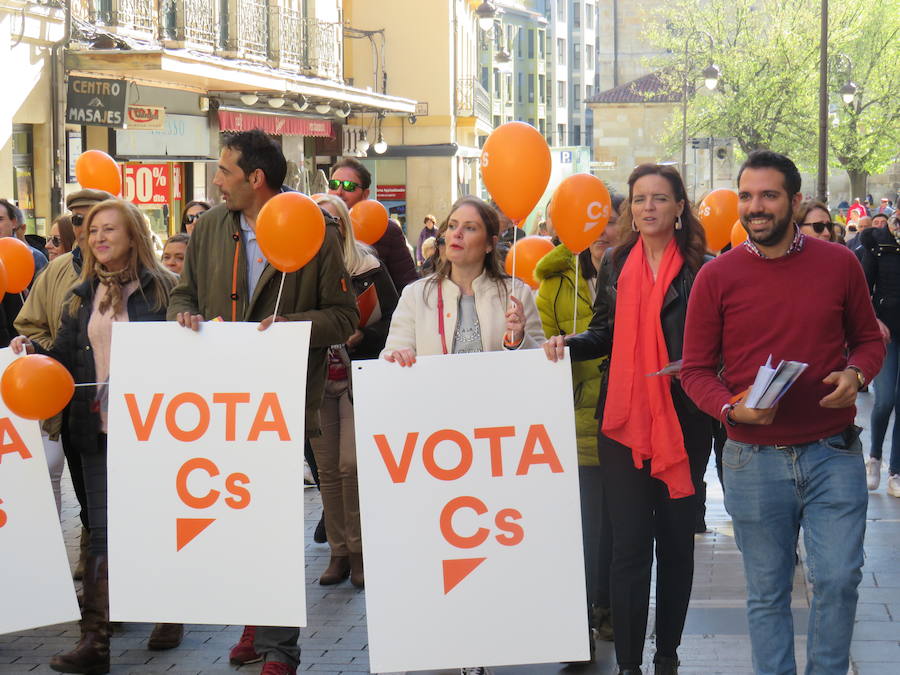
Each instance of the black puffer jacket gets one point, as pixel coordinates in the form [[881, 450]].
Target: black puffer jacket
[[378, 310], [596, 341], [72, 348], [881, 263]]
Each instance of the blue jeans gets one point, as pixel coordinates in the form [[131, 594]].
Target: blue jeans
[[886, 401], [770, 492]]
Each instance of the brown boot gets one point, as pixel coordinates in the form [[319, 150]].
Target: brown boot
[[78, 573], [165, 636], [91, 655], [357, 577], [338, 570]]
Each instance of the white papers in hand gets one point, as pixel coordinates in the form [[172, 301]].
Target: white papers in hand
[[772, 383]]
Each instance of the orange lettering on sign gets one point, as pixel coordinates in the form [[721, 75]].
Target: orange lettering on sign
[[202, 464], [143, 427], [234, 485], [514, 533], [465, 454], [231, 401], [3, 518], [397, 470], [538, 434], [10, 441], [494, 434], [277, 424], [447, 513], [187, 435]]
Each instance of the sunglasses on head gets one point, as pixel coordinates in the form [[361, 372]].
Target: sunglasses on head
[[77, 220], [819, 227], [348, 185]]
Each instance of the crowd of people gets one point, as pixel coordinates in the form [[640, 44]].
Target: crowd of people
[[664, 339]]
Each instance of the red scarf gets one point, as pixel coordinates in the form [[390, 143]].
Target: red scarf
[[639, 411]]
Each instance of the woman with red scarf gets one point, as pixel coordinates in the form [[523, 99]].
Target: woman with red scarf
[[654, 443]]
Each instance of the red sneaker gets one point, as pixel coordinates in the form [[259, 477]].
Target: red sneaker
[[277, 668], [243, 652]]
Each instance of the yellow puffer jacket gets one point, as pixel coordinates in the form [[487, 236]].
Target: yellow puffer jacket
[[556, 302]]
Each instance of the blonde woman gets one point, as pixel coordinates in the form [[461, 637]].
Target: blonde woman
[[335, 449], [121, 280]]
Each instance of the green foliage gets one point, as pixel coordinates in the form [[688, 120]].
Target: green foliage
[[767, 95]]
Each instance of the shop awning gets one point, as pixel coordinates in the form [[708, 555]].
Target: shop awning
[[277, 125]]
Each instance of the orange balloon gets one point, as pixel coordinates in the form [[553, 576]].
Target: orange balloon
[[738, 234], [515, 165], [370, 221], [718, 211], [579, 210], [36, 387], [3, 280], [96, 170], [290, 229], [18, 263], [527, 251]]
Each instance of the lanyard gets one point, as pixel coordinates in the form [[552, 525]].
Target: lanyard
[[440, 309]]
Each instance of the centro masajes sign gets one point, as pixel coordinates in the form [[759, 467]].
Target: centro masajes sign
[[95, 102]]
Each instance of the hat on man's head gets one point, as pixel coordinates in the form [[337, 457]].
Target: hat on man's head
[[87, 197]]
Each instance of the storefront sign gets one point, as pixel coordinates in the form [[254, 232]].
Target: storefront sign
[[35, 583], [151, 117], [202, 456], [487, 497], [391, 193], [183, 136], [147, 184], [277, 125], [94, 102]]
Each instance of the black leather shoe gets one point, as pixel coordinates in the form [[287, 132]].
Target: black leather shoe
[[630, 671], [665, 665]]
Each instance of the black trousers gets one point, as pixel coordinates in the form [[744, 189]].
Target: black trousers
[[596, 536], [642, 514], [73, 460], [94, 468]]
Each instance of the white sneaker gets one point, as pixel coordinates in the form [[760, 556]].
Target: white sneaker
[[873, 473], [893, 488]]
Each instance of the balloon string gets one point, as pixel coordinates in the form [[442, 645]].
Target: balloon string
[[22, 296], [512, 281], [575, 304], [278, 299], [89, 384]]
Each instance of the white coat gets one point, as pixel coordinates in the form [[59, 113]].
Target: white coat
[[415, 321]]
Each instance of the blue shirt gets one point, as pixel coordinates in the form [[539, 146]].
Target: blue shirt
[[256, 261]]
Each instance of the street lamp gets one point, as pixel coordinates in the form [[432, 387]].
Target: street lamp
[[486, 13], [848, 92], [711, 75]]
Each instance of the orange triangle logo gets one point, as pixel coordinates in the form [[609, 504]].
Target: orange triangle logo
[[457, 570], [188, 528]]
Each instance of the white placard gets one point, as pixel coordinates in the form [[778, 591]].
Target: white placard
[[468, 483], [35, 580], [206, 473]]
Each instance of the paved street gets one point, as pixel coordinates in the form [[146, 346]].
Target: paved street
[[715, 639]]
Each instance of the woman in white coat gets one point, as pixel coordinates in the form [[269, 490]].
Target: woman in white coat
[[468, 304]]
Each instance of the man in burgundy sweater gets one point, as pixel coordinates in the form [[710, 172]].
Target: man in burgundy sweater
[[799, 463]]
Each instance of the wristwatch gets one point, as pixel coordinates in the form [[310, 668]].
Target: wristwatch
[[859, 376], [729, 420]]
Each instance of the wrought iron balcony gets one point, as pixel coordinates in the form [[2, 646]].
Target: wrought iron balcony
[[306, 45], [194, 22], [257, 30], [472, 100]]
